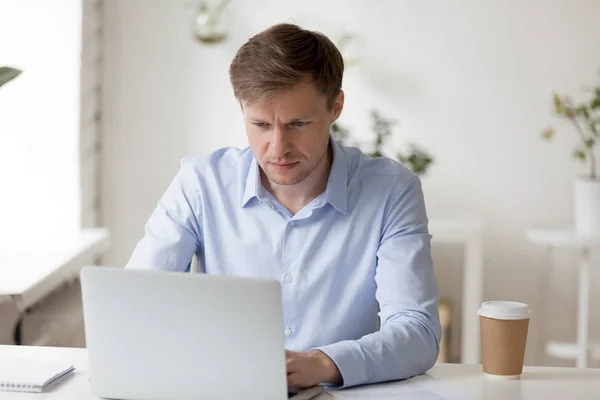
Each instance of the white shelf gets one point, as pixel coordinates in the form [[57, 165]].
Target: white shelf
[[562, 236], [454, 230], [563, 350], [570, 350], [567, 237], [466, 232], [31, 270], [596, 352]]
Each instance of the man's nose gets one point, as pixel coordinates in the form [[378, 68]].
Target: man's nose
[[280, 144]]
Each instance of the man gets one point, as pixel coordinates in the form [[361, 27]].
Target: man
[[345, 234]]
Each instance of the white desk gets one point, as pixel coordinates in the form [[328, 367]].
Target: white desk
[[29, 271], [467, 233], [537, 383], [466, 380], [566, 237]]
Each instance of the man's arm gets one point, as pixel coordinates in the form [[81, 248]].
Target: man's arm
[[408, 342], [173, 233]]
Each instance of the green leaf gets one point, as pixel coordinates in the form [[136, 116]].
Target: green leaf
[[339, 132], [595, 103], [583, 111], [557, 103], [569, 112], [547, 134], [579, 154], [8, 74], [589, 143], [417, 160]]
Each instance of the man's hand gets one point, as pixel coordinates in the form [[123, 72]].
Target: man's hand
[[310, 368]]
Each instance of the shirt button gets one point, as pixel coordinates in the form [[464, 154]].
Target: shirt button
[[288, 278], [287, 332]]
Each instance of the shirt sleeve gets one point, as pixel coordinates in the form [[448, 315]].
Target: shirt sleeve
[[172, 233], [407, 343]]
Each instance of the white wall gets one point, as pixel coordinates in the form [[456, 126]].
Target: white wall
[[39, 118], [469, 80]]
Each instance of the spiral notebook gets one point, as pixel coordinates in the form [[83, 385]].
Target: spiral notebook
[[29, 375]]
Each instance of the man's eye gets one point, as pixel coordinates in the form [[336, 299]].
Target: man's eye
[[260, 124], [299, 123]]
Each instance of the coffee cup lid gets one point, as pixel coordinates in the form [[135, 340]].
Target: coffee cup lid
[[504, 310]]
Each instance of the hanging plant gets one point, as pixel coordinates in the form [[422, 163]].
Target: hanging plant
[[7, 74], [209, 25]]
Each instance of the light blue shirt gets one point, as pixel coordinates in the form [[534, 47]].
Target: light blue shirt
[[355, 264]]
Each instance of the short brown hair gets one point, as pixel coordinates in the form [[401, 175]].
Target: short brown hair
[[283, 56]]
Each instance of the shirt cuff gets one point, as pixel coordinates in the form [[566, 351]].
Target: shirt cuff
[[350, 360]]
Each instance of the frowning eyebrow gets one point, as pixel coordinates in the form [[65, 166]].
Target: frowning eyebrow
[[293, 120]]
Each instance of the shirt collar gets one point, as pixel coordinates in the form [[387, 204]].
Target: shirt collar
[[252, 184], [336, 193]]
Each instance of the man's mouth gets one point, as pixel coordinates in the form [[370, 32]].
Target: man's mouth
[[284, 165]]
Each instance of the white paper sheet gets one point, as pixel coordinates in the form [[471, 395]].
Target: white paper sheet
[[417, 388]]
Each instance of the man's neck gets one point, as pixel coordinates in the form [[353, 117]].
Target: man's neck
[[295, 197]]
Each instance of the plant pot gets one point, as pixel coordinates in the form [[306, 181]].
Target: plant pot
[[586, 203]]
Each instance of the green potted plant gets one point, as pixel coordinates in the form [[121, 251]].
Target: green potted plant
[[7, 74], [585, 119], [416, 159]]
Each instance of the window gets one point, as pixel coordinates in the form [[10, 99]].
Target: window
[[40, 118]]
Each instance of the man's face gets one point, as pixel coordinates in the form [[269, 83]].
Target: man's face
[[289, 133]]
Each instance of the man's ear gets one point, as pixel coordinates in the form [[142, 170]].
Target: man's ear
[[338, 106]]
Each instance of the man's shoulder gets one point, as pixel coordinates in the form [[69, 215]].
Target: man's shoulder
[[226, 161], [376, 170]]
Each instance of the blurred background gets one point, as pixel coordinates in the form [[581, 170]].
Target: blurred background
[[113, 93]]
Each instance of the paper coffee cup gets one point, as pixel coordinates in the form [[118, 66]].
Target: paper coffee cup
[[504, 326]]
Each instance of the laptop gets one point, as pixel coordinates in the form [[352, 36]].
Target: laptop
[[154, 335]]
